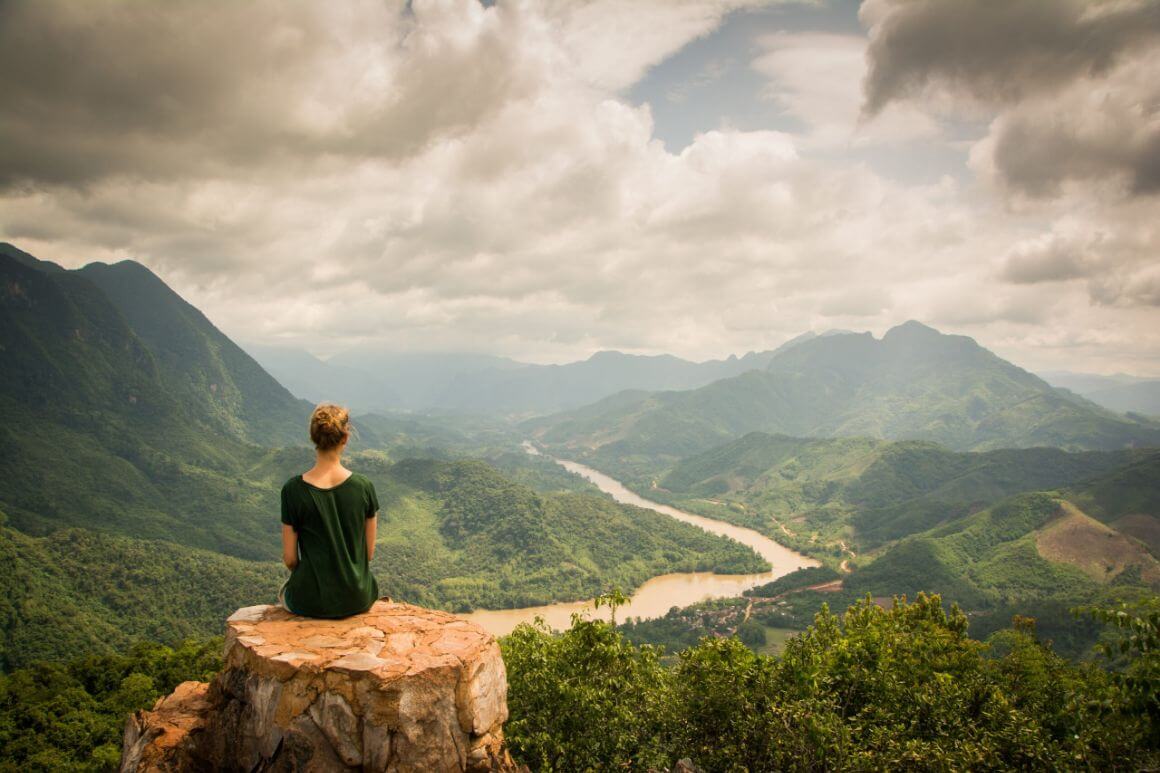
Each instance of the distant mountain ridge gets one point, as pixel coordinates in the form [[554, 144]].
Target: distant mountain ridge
[[371, 380], [914, 383], [1121, 393]]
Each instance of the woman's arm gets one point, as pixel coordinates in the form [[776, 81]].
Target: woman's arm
[[289, 546], [372, 529]]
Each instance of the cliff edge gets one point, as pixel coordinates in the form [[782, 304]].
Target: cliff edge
[[399, 688]]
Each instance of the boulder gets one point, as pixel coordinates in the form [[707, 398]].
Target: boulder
[[399, 688]]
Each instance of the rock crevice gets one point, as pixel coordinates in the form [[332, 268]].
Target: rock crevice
[[399, 688]]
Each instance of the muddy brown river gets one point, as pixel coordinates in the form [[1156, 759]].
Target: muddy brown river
[[656, 596]]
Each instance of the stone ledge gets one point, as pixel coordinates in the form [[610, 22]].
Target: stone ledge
[[399, 688]]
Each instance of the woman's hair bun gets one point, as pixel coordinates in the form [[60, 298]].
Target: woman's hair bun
[[329, 426]]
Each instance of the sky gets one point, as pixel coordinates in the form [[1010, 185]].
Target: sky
[[546, 179]]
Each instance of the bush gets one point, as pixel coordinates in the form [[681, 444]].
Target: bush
[[874, 689], [584, 700]]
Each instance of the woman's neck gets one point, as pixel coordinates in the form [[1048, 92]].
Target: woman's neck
[[331, 458], [326, 463]]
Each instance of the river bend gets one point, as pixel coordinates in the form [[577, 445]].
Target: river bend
[[657, 595]]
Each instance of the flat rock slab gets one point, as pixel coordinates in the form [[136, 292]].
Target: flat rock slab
[[398, 688]]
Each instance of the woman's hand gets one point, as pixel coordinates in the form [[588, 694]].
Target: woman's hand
[[289, 547]]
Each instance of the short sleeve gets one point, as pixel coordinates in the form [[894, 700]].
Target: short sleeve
[[372, 500], [288, 508]]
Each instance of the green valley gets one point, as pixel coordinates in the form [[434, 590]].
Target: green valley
[[815, 494]]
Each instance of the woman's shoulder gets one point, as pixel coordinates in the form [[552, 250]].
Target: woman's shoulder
[[362, 480], [363, 485], [293, 482]]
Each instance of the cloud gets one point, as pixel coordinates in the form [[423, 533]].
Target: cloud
[[1109, 252], [446, 176], [1091, 132], [998, 51], [817, 78], [1074, 83], [1047, 259]]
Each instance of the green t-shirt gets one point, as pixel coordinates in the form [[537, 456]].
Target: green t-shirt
[[333, 577]]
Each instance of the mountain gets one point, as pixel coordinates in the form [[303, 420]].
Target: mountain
[[120, 323], [1121, 393], [1031, 532], [913, 383], [370, 380], [1142, 398], [418, 381], [319, 381], [1083, 383], [198, 363], [129, 432], [461, 535], [540, 389]]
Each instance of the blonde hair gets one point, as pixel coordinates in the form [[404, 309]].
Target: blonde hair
[[329, 426]]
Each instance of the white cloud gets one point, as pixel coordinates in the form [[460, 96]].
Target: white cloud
[[817, 78], [466, 178]]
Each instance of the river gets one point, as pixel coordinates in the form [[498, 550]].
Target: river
[[656, 596]]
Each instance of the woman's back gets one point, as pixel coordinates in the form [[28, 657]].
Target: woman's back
[[333, 577]]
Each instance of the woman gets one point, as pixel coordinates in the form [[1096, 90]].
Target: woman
[[328, 528]]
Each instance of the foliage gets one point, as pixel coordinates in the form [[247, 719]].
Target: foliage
[[455, 535], [876, 689], [541, 473], [681, 628], [77, 592], [1135, 647], [70, 717], [584, 700]]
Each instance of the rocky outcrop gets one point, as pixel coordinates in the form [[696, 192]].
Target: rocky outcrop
[[400, 688]]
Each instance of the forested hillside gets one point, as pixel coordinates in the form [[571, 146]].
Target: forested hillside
[[199, 365], [1031, 546], [813, 493]]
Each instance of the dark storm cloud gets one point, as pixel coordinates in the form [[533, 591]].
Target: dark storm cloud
[[997, 50], [1114, 264], [1053, 261], [1035, 153], [1076, 83], [92, 90]]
